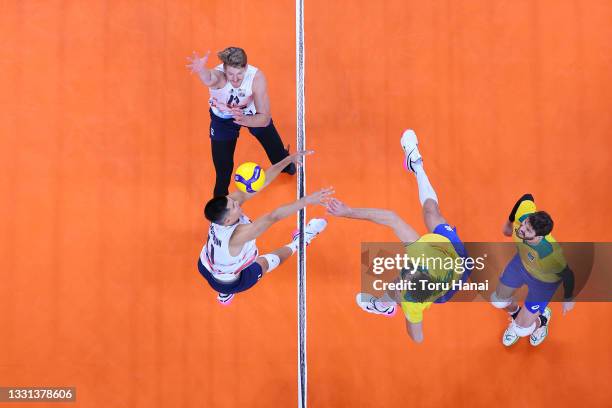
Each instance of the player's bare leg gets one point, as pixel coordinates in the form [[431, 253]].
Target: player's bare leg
[[271, 261]]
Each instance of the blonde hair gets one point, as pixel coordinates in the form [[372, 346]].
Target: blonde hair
[[233, 57]]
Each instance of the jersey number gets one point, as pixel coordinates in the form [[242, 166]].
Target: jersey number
[[233, 100], [211, 253]]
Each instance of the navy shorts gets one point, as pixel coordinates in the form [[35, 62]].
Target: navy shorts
[[451, 233], [539, 293], [249, 276], [225, 129]]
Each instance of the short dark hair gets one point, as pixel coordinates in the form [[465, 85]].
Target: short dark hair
[[420, 294], [215, 209], [541, 222]]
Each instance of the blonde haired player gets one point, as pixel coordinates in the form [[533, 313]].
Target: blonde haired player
[[442, 241], [238, 98], [230, 261]]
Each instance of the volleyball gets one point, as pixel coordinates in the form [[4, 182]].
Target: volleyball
[[250, 177]]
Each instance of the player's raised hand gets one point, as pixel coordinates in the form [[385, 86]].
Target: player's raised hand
[[297, 157], [197, 64], [337, 208], [320, 197]]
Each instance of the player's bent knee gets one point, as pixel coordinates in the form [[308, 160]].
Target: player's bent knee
[[430, 206], [524, 331], [500, 303], [272, 260]]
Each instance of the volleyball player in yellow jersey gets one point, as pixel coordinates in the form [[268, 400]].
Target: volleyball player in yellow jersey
[[539, 264], [442, 241]]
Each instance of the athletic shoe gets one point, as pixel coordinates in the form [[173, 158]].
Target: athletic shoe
[[225, 299], [313, 228], [510, 337], [372, 305], [411, 150], [541, 332]]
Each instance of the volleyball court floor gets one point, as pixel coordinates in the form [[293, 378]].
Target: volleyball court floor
[[106, 166]]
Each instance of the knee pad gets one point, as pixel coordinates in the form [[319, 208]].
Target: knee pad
[[523, 331], [273, 261], [500, 303]]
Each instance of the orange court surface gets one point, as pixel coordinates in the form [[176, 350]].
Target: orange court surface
[[106, 165]]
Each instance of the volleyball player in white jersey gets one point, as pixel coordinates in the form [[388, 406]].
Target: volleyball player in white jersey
[[238, 97], [230, 261]]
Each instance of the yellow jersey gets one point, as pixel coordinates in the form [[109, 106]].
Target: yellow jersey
[[544, 260], [434, 255]]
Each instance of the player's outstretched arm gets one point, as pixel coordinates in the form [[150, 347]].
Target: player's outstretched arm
[[248, 232], [197, 65], [404, 232], [271, 173]]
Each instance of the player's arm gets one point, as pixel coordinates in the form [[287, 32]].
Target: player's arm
[[404, 232], [262, 105], [271, 173], [248, 232], [567, 277], [415, 331], [413, 312], [210, 77], [524, 205]]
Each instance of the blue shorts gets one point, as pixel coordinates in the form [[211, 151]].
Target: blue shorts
[[539, 293], [226, 129], [249, 276], [451, 233]]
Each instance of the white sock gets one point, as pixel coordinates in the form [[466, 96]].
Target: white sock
[[426, 190], [293, 246]]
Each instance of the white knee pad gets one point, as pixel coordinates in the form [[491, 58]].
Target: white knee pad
[[500, 303], [273, 261], [523, 331]]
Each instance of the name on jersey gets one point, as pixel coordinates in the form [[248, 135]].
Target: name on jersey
[[216, 241]]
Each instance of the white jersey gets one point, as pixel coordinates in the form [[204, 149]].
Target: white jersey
[[223, 99], [215, 255]]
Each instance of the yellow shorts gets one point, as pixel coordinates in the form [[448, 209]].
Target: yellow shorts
[[414, 311]]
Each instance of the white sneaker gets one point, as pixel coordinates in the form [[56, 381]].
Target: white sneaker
[[410, 143], [225, 299], [312, 229], [510, 337], [372, 305], [541, 332]]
